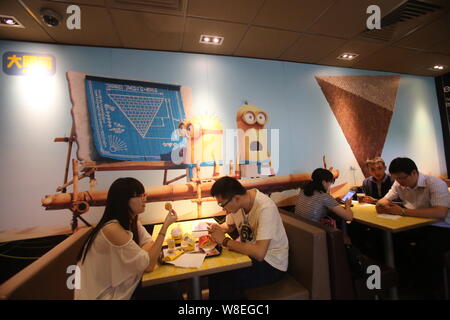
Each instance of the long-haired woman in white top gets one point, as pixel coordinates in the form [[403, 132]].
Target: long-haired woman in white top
[[119, 249]]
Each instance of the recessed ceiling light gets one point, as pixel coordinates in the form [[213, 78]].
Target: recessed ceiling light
[[347, 56], [10, 21], [438, 67], [207, 39]]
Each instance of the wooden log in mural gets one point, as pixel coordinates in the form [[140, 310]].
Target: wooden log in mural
[[179, 191]]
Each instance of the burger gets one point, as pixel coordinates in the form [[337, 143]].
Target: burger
[[206, 242]]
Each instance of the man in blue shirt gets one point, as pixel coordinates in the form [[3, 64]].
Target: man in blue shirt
[[378, 184], [375, 187]]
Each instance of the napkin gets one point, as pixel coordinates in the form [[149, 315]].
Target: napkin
[[388, 216], [189, 260]]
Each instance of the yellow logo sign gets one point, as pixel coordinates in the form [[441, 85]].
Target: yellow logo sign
[[25, 63]]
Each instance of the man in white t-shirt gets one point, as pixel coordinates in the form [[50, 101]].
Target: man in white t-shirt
[[261, 236], [422, 196]]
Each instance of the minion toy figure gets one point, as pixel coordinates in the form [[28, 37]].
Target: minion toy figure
[[253, 144], [203, 134]]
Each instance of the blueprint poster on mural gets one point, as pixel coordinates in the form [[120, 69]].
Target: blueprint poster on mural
[[134, 120]]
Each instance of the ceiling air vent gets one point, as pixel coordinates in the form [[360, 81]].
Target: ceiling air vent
[[175, 5], [411, 9]]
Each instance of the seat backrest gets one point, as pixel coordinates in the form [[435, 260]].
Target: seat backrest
[[308, 257], [341, 283], [46, 278]]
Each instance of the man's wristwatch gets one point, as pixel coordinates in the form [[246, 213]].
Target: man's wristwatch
[[225, 242]]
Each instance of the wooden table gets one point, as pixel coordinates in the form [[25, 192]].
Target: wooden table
[[366, 214], [227, 261]]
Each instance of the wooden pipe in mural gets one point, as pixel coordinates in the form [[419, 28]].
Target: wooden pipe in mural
[[179, 191]]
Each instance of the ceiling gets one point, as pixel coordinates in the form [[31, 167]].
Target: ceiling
[[310, 31]]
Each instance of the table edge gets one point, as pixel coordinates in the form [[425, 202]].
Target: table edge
[[199, 273], [400, 229]]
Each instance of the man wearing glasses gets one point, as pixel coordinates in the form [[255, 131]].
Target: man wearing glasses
[[422, 195], [261, 236], [426, 197]]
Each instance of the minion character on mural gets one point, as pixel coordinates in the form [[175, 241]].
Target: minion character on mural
[[203, 136], [253, 147]]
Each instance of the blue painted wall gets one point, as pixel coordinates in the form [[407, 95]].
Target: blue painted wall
[[33, 111]]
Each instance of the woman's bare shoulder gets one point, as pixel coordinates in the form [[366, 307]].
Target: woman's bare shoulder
[[116, 234]]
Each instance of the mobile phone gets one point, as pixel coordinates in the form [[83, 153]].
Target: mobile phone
[[349, 195]]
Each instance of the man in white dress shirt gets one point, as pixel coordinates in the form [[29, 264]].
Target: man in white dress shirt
[[422, 196]]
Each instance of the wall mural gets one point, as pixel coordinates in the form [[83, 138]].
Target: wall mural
[[37, 109], [363, 107], [121, 124], [125, 119], [151, 124], [203, 136], [133, 120], [253, 145]]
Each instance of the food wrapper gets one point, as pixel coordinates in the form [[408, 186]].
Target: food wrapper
[[206, 242], [187, 237], [173, 255], [187, 242]]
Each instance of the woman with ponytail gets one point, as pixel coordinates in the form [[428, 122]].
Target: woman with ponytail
[[314, 201]]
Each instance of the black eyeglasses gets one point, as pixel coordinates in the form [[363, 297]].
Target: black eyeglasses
[[224, 204]]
